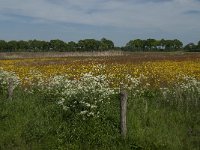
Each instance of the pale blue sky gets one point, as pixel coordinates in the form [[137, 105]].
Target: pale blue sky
[[118, 20]]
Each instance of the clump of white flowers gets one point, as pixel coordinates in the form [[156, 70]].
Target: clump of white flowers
[[189, 83], [6, 77], [136, 85], [83, 97], [185, 92], [87, 95], [132, 83]]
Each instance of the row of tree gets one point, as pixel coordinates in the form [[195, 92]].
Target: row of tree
[[160, 45], [153, 45], [192, 47], [95, 45], [56, 45]]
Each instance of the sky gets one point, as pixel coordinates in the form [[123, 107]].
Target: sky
[[117, 20]]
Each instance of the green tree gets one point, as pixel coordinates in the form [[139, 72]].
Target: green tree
[[177, 44], [198, 45], [138, 44], [169, 45], [3, 45], [72, 46], [162, 44], [190, 47], [142, 45], [150, 44], [34, 45], [22, 45], [135, 45], [129, 45], [106, 44], [44, 45], [57, 45], [89, 45], [12, 45]]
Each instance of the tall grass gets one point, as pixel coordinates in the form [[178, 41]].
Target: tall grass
[[157, 122], [35, 121]]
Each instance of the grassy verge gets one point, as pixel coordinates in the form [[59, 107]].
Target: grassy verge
[[33, 121]]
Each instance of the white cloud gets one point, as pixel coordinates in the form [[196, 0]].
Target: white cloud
[[108, 13], [167, 16]]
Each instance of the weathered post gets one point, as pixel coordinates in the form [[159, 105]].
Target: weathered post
[[123, 110], [1, 90], [10, 88]]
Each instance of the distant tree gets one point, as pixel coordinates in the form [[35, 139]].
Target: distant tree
[[12, 46], [44, 45], [142, 45], [129, 45], [153, 45], [72, 46], [138, 44], [106, 44], [135, 45], [96, 45], [157, 45], [190, 47], [22, 45], [89, 45], [177, 44], [162, 44], [57, 45], [34, 45], [198, 45], [169, 45], [150, 44], [81, 45], [3, 45]]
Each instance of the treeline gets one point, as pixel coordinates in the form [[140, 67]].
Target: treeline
[[56, 45], [159, 45], [192, 47], [153, 45], [95, 45]]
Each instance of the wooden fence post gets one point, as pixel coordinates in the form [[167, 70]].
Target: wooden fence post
[[10, 88], [1, 90], [123, 110]]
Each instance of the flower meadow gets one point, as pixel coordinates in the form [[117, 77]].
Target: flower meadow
[[84, 92], [98, 78], [118, 70]]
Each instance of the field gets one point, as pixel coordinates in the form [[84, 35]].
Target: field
[[73, 102], [160, 69]]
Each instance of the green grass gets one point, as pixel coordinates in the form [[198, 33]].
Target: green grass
[[163, 128], [36, 122]]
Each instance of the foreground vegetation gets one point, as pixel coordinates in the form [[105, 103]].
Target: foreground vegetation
[[37, 121], [73, 103]]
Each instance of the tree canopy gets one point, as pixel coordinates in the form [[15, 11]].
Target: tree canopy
[[153, 45], [103, 44]]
